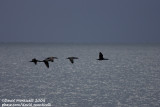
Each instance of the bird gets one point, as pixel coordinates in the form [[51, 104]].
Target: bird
[[72, 59], [51, 59], [101, 57], [34, 60]]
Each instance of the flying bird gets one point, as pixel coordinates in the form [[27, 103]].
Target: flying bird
[[72, 59], [51, 59], [35, 61], [101, 57]]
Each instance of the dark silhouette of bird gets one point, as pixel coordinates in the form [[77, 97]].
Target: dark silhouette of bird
[[72, 59], [51, 59], [35, 61], [101, 57]]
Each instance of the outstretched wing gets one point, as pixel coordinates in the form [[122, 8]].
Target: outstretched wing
[[71, 61], [46, 63], [75, 57], [100, 55], [35, 62]]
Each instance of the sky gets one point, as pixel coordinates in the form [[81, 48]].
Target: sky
[[80, 21]]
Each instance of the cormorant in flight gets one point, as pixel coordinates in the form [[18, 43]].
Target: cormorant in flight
[[35, 61], [72, 59], [101, 57]]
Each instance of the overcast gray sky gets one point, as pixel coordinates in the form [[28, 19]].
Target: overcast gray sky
[[82, 21]]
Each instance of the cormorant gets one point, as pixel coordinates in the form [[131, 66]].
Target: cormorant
[[101, 57], [72, 59], [35, 61]]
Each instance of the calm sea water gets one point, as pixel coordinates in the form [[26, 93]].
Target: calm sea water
[[130, 78]]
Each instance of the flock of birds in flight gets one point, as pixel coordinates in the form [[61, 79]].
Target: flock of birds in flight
[[51, 59]]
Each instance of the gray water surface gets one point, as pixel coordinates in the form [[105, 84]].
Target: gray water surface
[[130, 78]]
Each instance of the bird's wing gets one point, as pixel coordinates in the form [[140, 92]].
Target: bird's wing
[[100, 55], [75, 57], [46, 63], [71, 61], [35, 62]]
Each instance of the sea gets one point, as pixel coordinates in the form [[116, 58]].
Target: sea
[[130, 78]]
